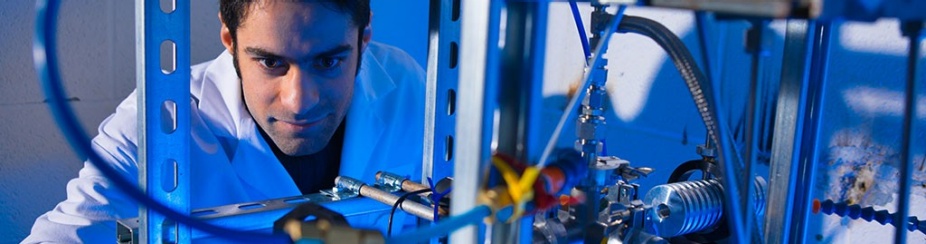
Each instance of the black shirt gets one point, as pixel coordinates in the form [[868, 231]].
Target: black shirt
[[316, 171]]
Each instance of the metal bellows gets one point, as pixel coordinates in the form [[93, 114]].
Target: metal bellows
[[691, 206]]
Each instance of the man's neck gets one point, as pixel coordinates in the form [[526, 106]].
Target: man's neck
[[316, 171]]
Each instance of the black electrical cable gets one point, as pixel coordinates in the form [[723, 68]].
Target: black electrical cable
[[399, 202], [46, 64]]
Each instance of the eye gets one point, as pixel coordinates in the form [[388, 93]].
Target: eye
[[270, 63], [327, 63]]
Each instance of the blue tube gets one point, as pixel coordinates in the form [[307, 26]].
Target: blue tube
[[703, 39], [46, 66], [443, 227], [581, 28]]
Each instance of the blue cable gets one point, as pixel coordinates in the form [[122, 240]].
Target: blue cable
[[442, 228], [581, 28], [437, 196], [46, 65], [701, 19], [619, 15]]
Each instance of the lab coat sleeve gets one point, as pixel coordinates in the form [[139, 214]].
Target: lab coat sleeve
[[93, 203]]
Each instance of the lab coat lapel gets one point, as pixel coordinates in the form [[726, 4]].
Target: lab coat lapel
[[365, 127], [259, 171], [259, 168]]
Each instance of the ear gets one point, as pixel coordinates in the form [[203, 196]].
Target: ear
[[225, 36], [367, 34]]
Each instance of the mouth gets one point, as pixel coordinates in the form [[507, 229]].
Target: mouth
[[301, 125]]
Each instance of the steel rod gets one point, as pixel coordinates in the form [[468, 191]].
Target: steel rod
[[411, 207], [912, 30]]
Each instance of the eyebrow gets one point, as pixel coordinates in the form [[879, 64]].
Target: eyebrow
[[257, 51]]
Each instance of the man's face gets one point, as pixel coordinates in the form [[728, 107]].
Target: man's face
[[298, 63]]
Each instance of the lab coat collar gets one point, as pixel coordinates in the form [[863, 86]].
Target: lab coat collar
[[373, 81]]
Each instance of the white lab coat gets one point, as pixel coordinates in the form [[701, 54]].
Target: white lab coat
[[231, 162]]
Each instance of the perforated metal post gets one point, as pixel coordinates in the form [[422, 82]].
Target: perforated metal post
[[441, 93], [162, 51]]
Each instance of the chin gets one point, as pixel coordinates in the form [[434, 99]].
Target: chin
[[306, 143], [299, 147], [303, 150]]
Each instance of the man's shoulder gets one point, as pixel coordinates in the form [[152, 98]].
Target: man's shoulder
[[379, 49], [202, 74], [395, 61]]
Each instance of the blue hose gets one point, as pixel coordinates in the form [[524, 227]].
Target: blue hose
[[46, 65], [581, 28], [443, 228]]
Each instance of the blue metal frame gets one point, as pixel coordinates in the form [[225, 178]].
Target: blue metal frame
[[788, 123], [440, 98], [796, 142], [259, 216], [756, 46], [812, 103], [815, 84], [478, 39], [163, 117]]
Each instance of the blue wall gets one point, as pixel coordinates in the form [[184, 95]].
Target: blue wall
[[403, 24]]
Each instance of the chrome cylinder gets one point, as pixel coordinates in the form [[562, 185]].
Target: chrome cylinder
[[691, 206]]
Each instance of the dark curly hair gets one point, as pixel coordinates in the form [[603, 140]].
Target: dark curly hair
[[234, 11]]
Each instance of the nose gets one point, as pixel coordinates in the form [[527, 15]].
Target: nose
[[298, 93]]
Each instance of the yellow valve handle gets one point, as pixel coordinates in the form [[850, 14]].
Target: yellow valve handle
[[520, 188]]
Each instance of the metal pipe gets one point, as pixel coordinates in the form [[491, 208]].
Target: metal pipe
[[815, 94], [410, 186], [590, 125], [580, 93], [417, 209], [911, 30], [414, 208], [397, 182], [755, 46]]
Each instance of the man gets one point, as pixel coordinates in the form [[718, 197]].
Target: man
[[300, 96]]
